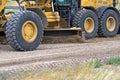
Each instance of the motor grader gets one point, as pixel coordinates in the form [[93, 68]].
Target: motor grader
[[25, 28]]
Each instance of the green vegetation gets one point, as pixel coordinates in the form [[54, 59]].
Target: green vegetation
[[95, 63], [91, 70], [4, 75], [113, 61], [86, 71]]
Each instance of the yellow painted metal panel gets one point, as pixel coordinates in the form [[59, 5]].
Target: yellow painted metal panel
[[97, 3], [2, 5], [52, 17]]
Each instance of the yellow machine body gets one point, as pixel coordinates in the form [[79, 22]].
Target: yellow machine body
[[53, 17], [2, 4], [97, 3]]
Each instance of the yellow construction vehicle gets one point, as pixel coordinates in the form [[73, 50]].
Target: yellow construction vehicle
[[24, 28]]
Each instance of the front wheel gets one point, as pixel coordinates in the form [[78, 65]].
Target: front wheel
[[24, 31]]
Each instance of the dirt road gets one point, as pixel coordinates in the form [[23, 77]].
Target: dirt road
[[59, 54], [56, 52]]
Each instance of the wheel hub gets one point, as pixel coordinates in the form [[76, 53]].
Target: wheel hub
[[29, 31], [110, 24], [89, 25]]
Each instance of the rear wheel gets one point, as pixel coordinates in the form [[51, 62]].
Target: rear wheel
[[87, 20], [24, 31], [108, 24]]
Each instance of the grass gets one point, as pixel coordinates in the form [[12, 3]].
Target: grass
[[95, 63], [114, 61], [67, 73], [92, 70]]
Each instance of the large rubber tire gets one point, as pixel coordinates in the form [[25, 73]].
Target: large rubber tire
[[79, 20], [14, 31], [103, 30]]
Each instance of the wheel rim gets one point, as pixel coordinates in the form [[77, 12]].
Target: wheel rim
[[89, 25], [29, 31], [110, 24]]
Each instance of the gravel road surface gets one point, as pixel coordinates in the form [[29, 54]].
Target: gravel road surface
[[49, 52], [56, 55]]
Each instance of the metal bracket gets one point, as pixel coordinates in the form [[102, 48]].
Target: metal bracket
[[19, 4], [83, 35]]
